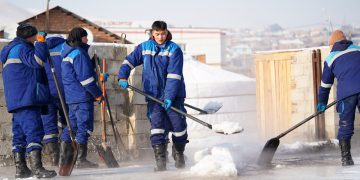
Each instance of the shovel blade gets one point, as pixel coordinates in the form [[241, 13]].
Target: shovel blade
[[268, 152], [107, 156], [67, 166], [212, 107]]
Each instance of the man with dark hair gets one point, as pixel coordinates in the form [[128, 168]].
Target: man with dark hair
[[79, 80], [162, 77], [343, 63], [27, 93], [51, 121]]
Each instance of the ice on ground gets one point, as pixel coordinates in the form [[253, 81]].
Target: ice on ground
[[308, 146], [227, 127], [212, 107], [215, 161]]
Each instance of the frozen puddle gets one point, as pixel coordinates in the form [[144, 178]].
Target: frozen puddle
[[215, 161], [227, 127]]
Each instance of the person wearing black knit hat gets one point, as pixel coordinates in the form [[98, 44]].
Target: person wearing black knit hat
[[26, 94], [79, 80]]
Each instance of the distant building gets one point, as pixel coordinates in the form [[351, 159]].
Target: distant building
[[205, 43], [61, 21], [2, 34]]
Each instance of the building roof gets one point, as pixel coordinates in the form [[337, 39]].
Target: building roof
[[111, 34]]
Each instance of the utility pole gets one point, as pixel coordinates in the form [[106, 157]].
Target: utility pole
[[47, 16]]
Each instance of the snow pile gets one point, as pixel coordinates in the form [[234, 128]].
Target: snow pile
[[309, 146], [216, 161], [227, 127]]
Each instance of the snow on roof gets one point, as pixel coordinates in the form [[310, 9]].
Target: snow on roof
[[200, 72], [11, 14], [202, 80]]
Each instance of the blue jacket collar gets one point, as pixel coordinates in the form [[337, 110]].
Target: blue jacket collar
[[68, 49], [341, 45]]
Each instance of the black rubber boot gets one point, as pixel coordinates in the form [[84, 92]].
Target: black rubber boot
[[66, 153], [36, 166], [82, 162], [160, 157], [345, 148], [178, 155], [22, 171], [53, 151]]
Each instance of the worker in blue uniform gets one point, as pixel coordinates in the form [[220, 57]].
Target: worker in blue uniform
[[162, 78], [27, 95]]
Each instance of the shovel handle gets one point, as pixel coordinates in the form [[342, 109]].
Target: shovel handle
[[196, 108], [61, 97], [172, 108], [306, 120]]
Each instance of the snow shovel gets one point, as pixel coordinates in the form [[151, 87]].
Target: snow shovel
[[66, 167], [220, 131], [271, 145], [210, 108], [104, 151]]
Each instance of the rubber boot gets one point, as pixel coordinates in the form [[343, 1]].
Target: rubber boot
[[36, 166], [82, 162], [178, 155], [160, 157], [53, 151], [66, 153], [345, 148], [22, 171]]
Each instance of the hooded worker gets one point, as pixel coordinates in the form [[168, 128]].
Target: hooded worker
[[343, 63]]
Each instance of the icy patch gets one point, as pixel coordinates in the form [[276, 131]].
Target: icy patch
[[227, 127], [212, 107], [309, 146], [216, 161]]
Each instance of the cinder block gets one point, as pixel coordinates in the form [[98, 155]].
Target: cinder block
[[142, 140], [6, 131], [102, 51], [1, 79], [2, 98], [5, 117], [113, 67], [121, 52]]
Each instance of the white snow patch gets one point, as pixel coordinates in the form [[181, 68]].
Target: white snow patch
[[215, 161], [306, 146], [227, 127]]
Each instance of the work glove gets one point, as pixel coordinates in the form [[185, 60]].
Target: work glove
[[123, 83], [321, 107], [99, 99], [41, 36], [104, 76], [167, 104]]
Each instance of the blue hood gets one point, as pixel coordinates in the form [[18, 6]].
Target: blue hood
[[341, 45], [6, 50], [54, 41], [68, 49]]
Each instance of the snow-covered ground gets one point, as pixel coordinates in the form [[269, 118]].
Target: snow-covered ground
[[216, 156]]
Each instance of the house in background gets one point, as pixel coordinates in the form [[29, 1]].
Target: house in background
[[205, 44], [61, 21]]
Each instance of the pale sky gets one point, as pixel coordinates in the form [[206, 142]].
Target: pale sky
[[211, 13]]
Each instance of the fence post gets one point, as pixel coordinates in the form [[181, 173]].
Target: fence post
[[317, 71]]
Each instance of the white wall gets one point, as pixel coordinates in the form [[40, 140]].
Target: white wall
[[208, 41]]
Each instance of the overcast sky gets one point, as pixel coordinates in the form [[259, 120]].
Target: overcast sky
[[211, 13]]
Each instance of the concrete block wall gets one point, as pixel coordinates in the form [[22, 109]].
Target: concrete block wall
[[302, 98], [128, 108]]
